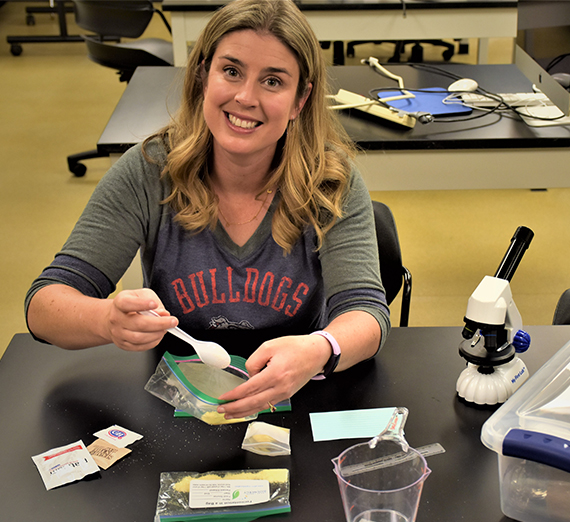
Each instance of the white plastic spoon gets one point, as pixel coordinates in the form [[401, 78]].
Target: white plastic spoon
[[210, 353]]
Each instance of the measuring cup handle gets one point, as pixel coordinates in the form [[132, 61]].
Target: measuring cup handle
[[394, 429]]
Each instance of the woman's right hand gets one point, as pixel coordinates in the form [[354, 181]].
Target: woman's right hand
[[63, 316], [132, 331]]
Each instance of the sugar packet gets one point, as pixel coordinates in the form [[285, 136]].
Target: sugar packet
[[106, 454], [118, 436], [65, 464]]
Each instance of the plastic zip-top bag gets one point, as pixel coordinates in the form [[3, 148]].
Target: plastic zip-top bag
[[222, 495], [266, 439], [194, 387]]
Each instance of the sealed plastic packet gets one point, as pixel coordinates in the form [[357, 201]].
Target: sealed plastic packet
[[65, 464], [244, 495], [194, 387], [266, 439]]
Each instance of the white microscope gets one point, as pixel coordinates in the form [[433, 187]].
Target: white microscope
[[493, 333]]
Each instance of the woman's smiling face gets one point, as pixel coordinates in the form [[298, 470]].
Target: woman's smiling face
[[250, 93]]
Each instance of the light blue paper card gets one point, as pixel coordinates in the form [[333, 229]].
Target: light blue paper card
[[350, 424]]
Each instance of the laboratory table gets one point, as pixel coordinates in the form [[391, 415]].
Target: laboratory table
[[51, 397], [493, 152], [338, 20]]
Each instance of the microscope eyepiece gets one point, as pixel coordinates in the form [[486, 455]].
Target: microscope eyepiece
[[519, 243]]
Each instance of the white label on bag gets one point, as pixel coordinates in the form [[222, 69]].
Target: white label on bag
[[221, 493]]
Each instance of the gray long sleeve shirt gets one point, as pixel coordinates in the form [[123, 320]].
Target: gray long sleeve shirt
[[217, 289]]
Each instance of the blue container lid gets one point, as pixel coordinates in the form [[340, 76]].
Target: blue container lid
[[534, 423]]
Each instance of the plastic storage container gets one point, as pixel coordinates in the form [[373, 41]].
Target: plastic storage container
[[531, 435]]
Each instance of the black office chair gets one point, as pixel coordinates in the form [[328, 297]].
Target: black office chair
[[394, 274], [562, 312], [417, 55], [121, 19]]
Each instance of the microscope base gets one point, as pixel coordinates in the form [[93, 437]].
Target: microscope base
[[491, 388]]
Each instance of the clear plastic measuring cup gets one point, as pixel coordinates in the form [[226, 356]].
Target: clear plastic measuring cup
[[381, 480]]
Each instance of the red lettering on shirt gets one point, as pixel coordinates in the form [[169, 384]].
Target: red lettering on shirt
[[267, 281], [249, 286], [233, 299], [206, 300], [182, 296], [284, 281], [215, 299], [267, 293], [301, 288]]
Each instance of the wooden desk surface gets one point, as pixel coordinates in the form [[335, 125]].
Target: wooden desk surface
[[51, 397]]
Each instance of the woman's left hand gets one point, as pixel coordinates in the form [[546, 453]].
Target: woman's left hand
[[278, 369]]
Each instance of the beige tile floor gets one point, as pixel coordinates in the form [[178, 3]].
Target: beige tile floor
[[54, 101]]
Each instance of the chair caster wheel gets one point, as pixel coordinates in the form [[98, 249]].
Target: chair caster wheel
[[78, 170], [447, 55], [16, 49], [30, 20]]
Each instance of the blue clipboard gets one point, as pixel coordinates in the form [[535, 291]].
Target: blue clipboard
[[431, 102]]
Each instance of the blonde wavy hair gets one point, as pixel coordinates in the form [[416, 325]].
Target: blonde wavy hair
[[312, 161]]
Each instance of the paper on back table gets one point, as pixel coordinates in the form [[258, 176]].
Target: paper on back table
[[350, 424]]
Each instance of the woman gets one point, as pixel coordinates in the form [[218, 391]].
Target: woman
[[250, 218]]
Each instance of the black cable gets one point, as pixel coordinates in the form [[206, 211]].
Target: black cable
[[556, 61], [541, 118], [480, 90], [511, 108], [372, 93], [449, 74], [438, 70]]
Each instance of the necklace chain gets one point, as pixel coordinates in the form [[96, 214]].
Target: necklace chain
[[229, 223]]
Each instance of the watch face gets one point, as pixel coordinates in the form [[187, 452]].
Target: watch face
[[331, 365]]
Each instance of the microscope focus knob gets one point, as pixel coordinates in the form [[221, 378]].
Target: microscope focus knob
[[521, 341]]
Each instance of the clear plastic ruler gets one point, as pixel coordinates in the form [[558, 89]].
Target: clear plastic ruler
[[391, 460]]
